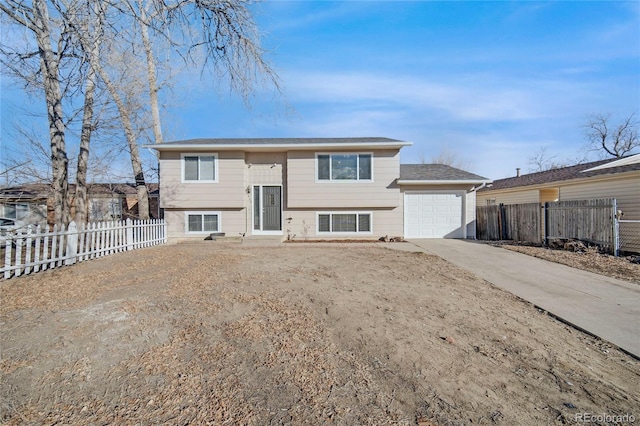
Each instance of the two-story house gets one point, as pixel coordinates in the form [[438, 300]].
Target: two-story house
[[310, 188]]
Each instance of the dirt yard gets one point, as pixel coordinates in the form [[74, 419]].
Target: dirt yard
[[623, 268], [301, 334]]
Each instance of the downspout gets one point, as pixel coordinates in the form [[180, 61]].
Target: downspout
[[478, 188]]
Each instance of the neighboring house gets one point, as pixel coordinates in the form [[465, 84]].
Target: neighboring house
[[301, 188], [618, 179], [27, 203], [32, 203]]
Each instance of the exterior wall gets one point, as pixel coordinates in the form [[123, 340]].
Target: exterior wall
[[509, 197], [30, 212], [228, 192], [470, 217], [549, 195], [625, 188], [303, 224], [469, 202], [265, 168], [305, 192], [232, 223]]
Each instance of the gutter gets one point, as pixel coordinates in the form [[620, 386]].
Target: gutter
[[444, 182], [270, 147]]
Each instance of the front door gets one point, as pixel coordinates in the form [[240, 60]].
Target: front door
[[267, 208]]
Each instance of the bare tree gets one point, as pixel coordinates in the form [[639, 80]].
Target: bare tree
[[214, 35], [50, 47], [87, 126], [612, 140], [221, 36], [449, 158], [542, 160]]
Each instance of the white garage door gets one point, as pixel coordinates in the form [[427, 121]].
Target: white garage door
[[433, 215]]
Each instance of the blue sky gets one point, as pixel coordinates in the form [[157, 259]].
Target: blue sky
[[490, 82]]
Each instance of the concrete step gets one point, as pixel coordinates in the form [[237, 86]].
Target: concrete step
[[197, 241]]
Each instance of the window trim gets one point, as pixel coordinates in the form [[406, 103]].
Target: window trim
[[201, 213], [26, 207], [330, 213], [331, 180], [199, 154]]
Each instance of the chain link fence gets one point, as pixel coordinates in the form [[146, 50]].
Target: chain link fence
[[629, 236]]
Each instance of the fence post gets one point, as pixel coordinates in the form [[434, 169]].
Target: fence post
[[502, 218], [165, 238], [7, 258], [72, 244], [129, 234], [546, 224], [616, 229]]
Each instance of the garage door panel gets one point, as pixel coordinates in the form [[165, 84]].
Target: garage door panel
[[434, 215]]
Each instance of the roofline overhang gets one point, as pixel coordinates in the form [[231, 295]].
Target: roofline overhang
[[633, 159], [279, 146], [443, 182]]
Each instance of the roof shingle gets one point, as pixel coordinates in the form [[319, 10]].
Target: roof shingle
[[425, 172], [561, 174]]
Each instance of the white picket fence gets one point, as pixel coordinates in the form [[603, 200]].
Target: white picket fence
[[37, 250]]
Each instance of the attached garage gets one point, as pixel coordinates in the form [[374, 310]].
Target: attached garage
[[434, 214], [438, 201]]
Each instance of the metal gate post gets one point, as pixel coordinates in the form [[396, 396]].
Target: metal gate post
[[616, 229]]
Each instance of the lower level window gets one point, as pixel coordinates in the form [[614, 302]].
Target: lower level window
[[344, 222], [203, 222]]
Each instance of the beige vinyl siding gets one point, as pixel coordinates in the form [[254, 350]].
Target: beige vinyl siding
[[265, 168], [509, 197], [232, 223], [303, 224], [470, 215], [228, 192], [625, 188], [303, 191]]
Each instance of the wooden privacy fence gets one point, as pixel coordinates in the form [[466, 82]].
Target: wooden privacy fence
[[592, 221], [37, 251], [517, 222]]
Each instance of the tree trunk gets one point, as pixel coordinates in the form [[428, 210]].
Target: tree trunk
[[87, 120], [151, 75], [136, 162], [50, 76], [83, 156]]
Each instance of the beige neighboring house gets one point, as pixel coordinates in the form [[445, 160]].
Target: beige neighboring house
[[310, 188], [619, 179]]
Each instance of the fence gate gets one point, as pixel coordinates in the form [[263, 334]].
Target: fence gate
[[629, 235], [593, 221]]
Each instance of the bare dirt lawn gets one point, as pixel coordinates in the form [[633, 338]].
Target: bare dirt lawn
[[300, 334], [623, 267]]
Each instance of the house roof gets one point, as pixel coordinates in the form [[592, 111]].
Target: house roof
[[41, 191], [436, 173], [285, 143], [578, 171]]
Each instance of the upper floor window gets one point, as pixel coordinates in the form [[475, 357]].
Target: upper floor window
[[200, 168], [341, 167]]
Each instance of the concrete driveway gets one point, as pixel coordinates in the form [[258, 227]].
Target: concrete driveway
[[605, 307]]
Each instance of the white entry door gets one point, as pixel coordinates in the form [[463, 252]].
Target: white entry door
[[434, 215]]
